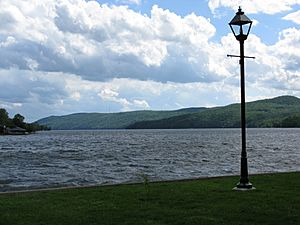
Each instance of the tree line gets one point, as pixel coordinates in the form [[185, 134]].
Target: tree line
[[18, 121]]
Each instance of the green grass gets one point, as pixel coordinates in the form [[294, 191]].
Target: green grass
[[207, 201]]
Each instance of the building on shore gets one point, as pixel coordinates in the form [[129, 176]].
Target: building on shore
[[13, 131]]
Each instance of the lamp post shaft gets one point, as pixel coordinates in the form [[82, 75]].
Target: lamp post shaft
[[244, 164], [244, 181]]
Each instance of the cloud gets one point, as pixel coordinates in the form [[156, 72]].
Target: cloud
[[109, 95], [287, 51], [31, 86], [98, 42], [295, 17], [9, 41], [41, 94], [254, 6]]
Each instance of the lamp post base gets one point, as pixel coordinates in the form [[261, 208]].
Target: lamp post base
[[244, 187]]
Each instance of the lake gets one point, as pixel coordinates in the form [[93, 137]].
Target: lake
[[74, 158]]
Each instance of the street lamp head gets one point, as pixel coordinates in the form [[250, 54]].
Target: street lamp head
[[240, 25]]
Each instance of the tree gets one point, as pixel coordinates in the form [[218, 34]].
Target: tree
[[291, 121], [3, 117], [18, 120]]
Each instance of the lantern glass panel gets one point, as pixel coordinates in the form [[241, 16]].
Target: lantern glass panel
[[246, 28], [236, 29]]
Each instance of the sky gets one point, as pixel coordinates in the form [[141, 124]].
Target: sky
[[59, 57]]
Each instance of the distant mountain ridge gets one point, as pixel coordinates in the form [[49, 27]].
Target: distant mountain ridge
[[283, 111], [119, 120]]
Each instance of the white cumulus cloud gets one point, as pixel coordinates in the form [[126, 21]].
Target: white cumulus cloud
[[101, 42], [295, 17]]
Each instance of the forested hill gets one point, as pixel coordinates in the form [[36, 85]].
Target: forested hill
[[282, 111], [109, 120]]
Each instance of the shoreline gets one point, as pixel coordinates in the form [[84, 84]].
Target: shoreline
[[50, 189]]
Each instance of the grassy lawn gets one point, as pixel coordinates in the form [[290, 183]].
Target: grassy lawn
[[207, 201]]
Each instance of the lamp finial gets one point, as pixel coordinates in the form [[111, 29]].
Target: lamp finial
[[240, 12]]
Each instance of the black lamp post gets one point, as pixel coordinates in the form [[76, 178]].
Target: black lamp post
[[240, 26]]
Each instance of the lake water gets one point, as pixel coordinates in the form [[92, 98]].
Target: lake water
[[72, 158]]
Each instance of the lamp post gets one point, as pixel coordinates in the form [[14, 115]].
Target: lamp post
[[240, 26]]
